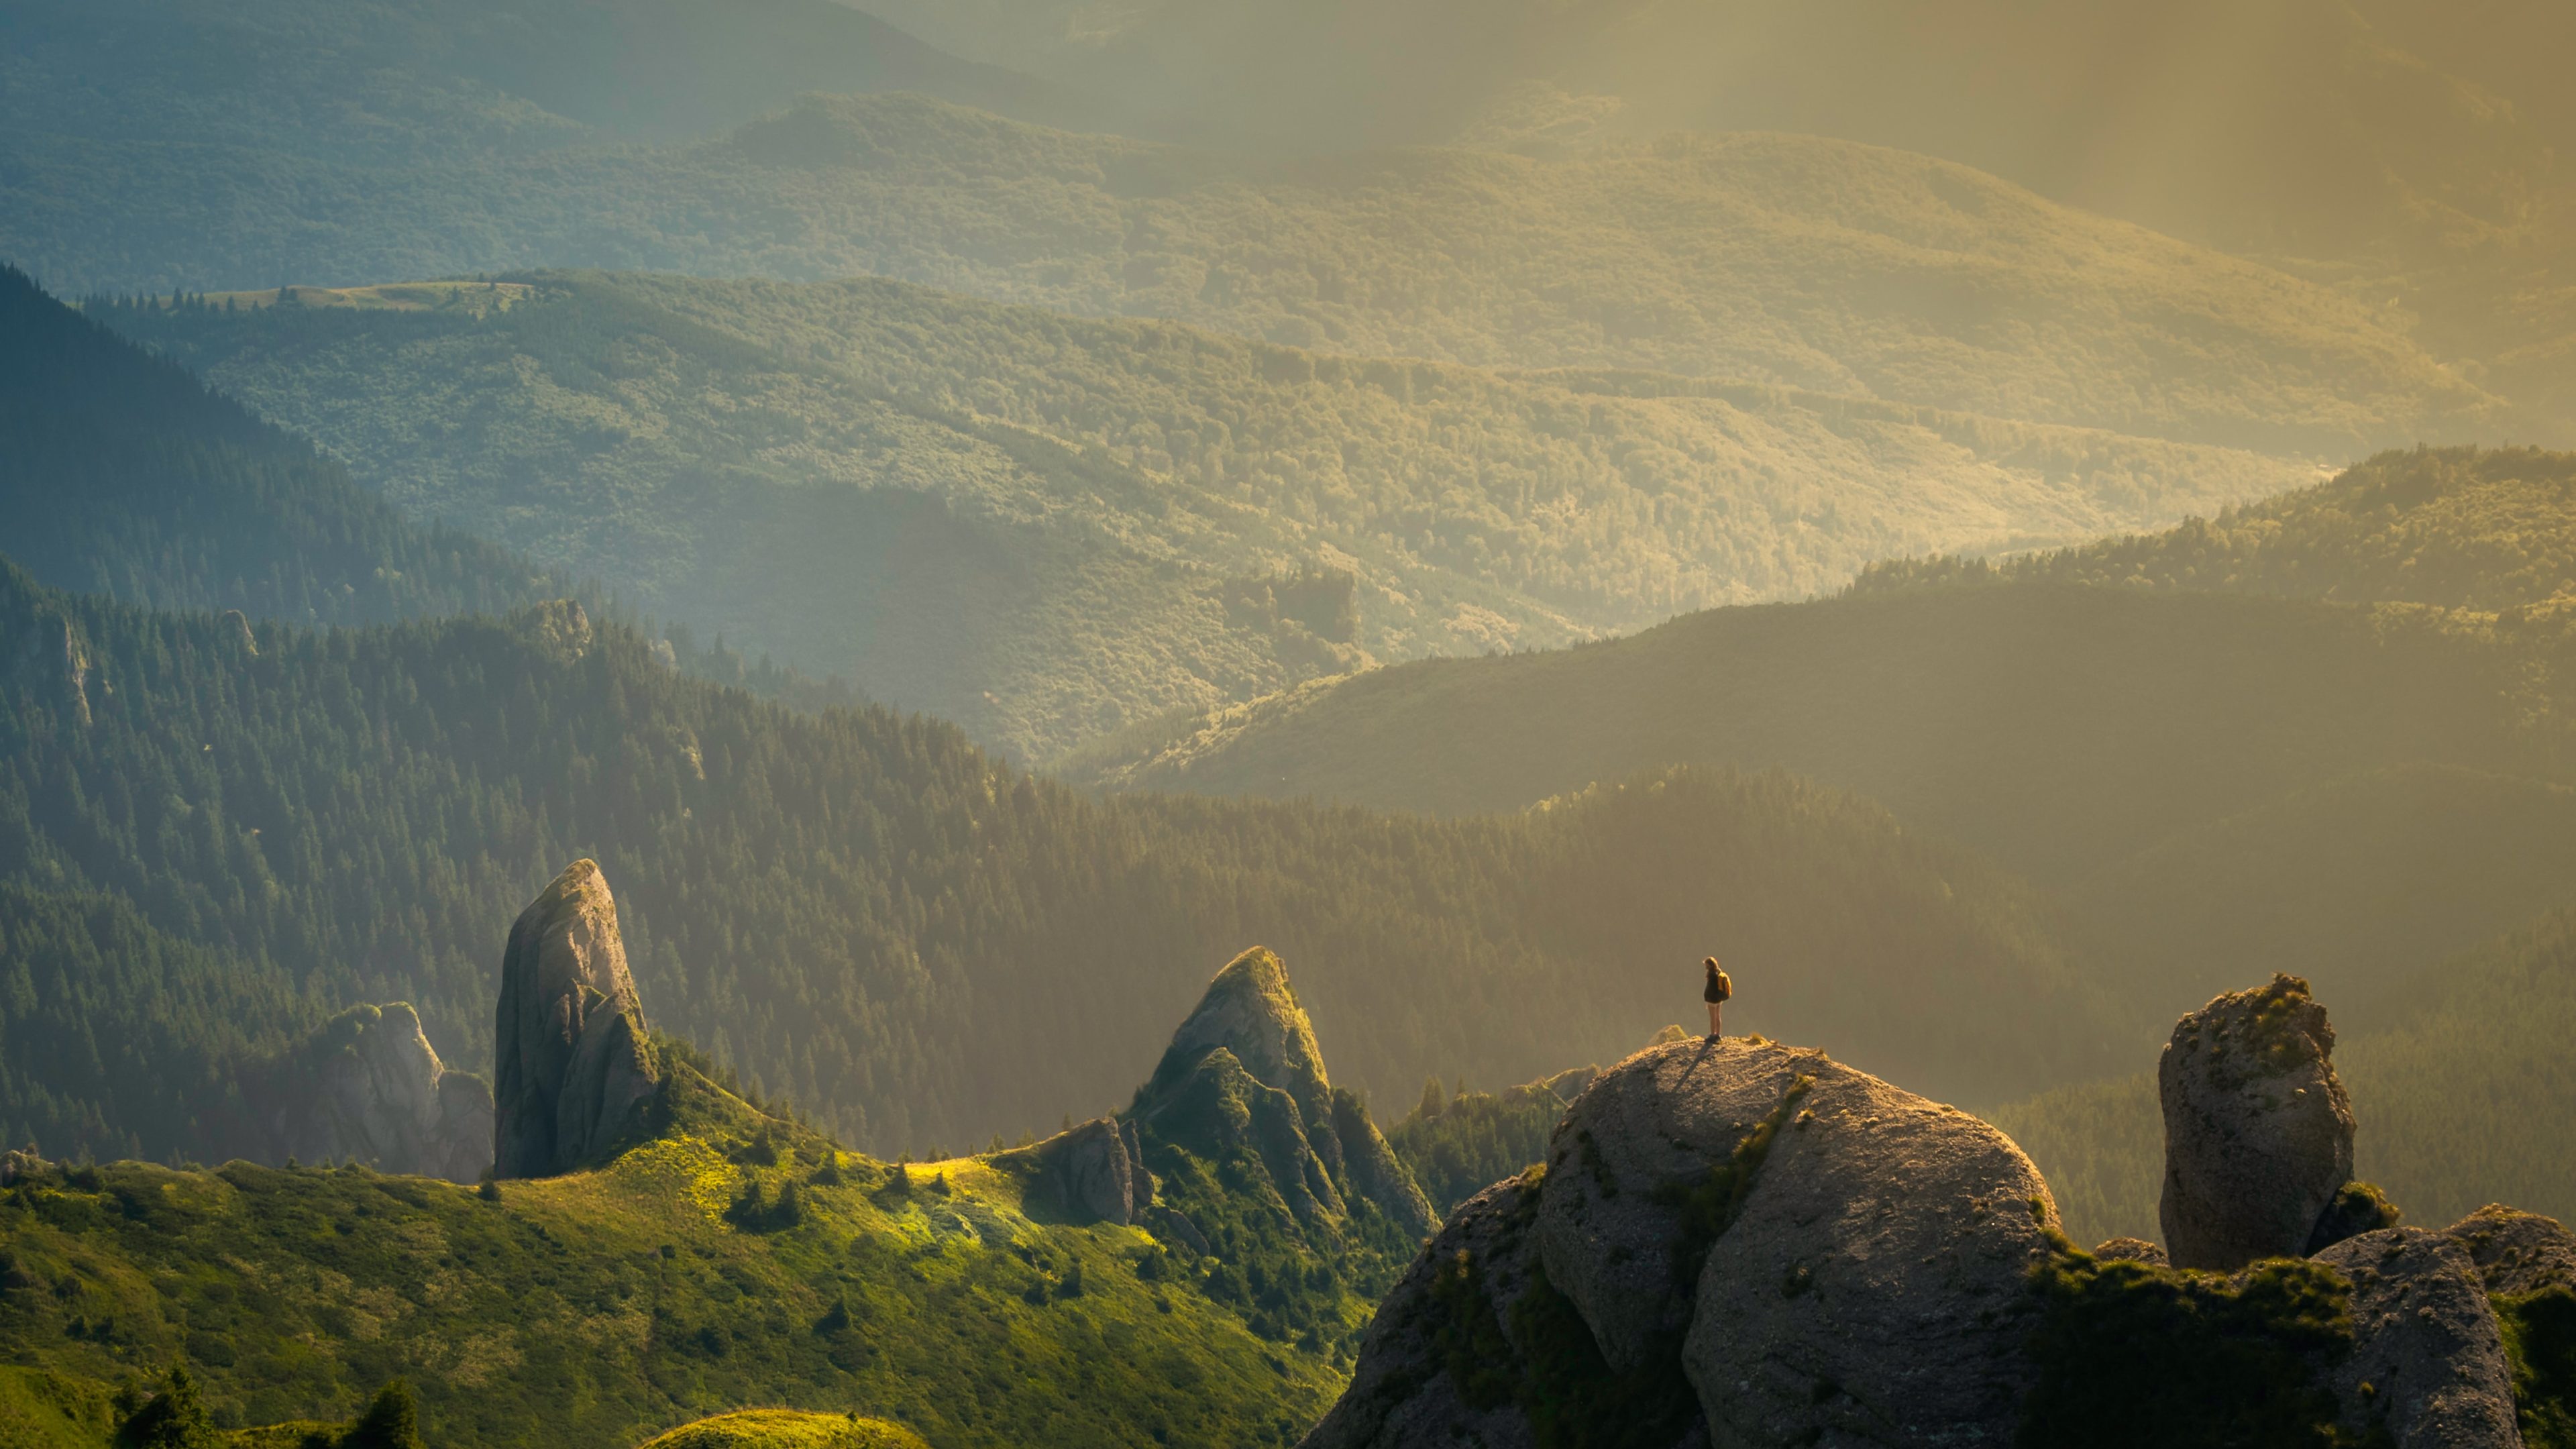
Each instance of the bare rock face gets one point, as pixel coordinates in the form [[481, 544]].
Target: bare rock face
[[50, 660], [1244, 1069], [2427, 1364], [369, 1087], [570, 1052], [1089, 1172], [1609, 1232], [2516, 1252], [1873, 1288], [20, 1162], [1463, 1288], [2258, 1131]]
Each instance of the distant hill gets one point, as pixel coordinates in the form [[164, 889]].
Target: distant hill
[[2353, 781], [1046, 528], [1811, 263], [2476, 528], [861, 909], [121, 473], [2058, 727]]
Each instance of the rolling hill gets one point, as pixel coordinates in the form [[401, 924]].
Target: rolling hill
[[125, 475], [1804, 262], [2325, 733], [1046, 528]]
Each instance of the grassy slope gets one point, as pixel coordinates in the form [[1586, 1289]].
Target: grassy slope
[[1819, 264], [1024, 522], [2460, 1083], [787, 1429], [606, 1306]]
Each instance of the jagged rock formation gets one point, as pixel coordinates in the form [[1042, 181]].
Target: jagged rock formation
[[20, 1162], [368, 1087], [1763, 1245], [571, 1055], [1244, 1070], [2428, 1364], [2258, 1131]]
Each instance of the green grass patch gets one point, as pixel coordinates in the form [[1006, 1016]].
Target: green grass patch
[[2133, 1355], [2540, 1340]]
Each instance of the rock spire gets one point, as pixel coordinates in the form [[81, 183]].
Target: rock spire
[[570, 1052], [2258, 1131]]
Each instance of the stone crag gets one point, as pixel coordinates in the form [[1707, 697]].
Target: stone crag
[[1243, 1071], [369, 1088], [2258, 1131], [1791, 1250], [572, 1056]]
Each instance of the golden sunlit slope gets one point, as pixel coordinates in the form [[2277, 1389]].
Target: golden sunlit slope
[[1047, 528]]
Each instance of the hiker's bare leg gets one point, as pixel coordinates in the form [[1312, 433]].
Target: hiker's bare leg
[[1716, 1028]]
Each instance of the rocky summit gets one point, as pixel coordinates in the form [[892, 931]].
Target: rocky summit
[[1739, 1244], [1244, 1070], [2258, 1131], [1737, 1240], [572, 1060]]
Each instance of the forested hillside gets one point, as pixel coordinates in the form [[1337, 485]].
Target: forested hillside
[[2465, 528], [1047, 529], [123, 474], [863, 911], [2226, 782], [1764, 258]]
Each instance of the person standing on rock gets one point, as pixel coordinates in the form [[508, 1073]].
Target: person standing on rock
[[1715, 993]]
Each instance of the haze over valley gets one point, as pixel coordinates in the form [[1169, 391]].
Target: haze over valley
[[792, 725]]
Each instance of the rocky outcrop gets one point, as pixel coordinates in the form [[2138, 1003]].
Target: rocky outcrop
[[49, 660], [2427, 1366], [1764, 1247], [20, 1162], [572, 1060], [2258, 1131], [369, 1088], [1463, 1290], [1090, 1173], [1243, 1073], [1875, 1281], [2516, 1252], [2132, 1250]]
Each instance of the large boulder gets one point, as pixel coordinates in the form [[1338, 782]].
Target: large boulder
[[1729, 1244], [368, 1087], [572, 1060], [2517, 1253], [1608, 1227], [2427, 1367], [1873, 1288], [2258, 1131]]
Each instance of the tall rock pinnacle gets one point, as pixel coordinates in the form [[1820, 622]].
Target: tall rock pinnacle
[[2258, 1131], [569, 1054]]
